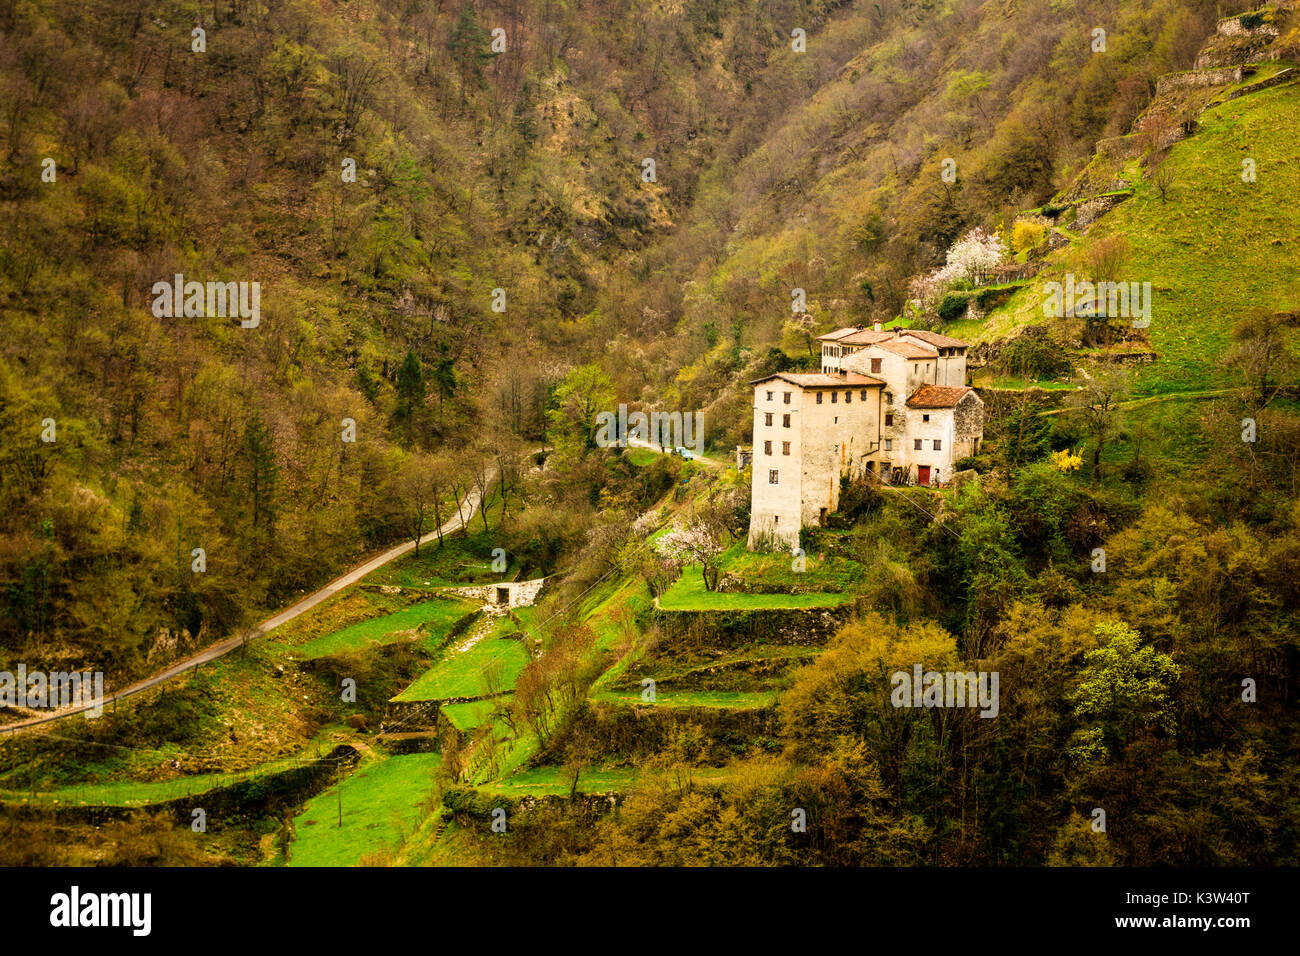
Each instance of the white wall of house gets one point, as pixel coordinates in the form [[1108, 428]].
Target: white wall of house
[[776, 509]]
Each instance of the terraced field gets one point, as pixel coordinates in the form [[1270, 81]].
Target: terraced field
[[382, 803], [430, 619]]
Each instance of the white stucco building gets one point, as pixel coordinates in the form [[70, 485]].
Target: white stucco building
[[893, 405]]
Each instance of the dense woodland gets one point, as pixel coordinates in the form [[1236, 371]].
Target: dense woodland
[[522, 171]]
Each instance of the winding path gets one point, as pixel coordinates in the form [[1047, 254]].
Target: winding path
[[460, 520]]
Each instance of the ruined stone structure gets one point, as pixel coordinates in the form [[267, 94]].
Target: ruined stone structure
[[892, 405]]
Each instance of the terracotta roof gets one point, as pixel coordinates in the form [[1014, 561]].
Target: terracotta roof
[[839, 334], [907, 349], [935, 338], [866, 337], [821, 380], [938, 396]]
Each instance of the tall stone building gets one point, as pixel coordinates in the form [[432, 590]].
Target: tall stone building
[[892, 405]]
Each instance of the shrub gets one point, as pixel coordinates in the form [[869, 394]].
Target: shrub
[[980, 464], [953, 306], [1027, 235], [1033, 356], [858, 497]]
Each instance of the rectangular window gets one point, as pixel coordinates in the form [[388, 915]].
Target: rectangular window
[[787, 398], [889, 444], [889, 398], [771, 477], [875, 365], [785, 420], [889, 419], [848, 397], [863, 396], [938, 445], [785, 448], [767, 448], [769, 396], [819, 398], [925, 418], [767, 419], [916, 444], [835, 397]]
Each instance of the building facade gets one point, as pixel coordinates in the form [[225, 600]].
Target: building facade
[[891, 405]]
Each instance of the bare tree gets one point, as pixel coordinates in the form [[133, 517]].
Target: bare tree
[[1099, 400]]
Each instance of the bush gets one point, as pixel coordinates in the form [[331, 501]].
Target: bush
[[980, 464], [1033, 356], [953, 306], [1026, 235], [858, 498]]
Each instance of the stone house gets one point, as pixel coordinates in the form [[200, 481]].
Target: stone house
[[893, 405]]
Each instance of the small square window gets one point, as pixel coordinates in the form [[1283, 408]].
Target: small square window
[[787, 398], [767, 419], [785, 420], [767, 448], [785, 448], [771, 477], [916, 444], [925, 418], [938, 445]]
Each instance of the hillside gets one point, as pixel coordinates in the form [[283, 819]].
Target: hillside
[[594, 669]]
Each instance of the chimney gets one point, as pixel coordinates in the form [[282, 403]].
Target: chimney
[[898, 333], [877, 326]]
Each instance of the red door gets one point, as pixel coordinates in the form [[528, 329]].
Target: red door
[[922, 474]]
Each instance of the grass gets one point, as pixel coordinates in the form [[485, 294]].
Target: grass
[[434, 617], [381, 806], [466, 716], [640, 456], [833, 574], [464, 673], [615, 614], [460, 561], [126, 793], [543, 781], [712, 699], [689, 594], [1217, 239]]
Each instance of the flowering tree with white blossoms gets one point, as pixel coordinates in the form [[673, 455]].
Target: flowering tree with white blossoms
[[970, 258], [694, 544]]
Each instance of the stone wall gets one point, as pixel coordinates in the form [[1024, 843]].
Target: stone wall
[[1192, 79]]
